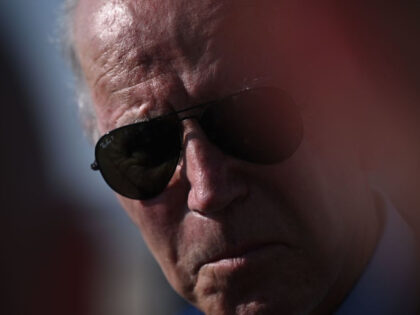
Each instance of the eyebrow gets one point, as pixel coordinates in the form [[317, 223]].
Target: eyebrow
[[197, 106], [247, 84]]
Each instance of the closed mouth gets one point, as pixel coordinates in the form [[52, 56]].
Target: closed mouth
[[240, 254]]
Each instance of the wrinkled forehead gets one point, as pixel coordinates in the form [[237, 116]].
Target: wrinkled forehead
[[148, 31], [242, 32], [102, 24], [208, 45]]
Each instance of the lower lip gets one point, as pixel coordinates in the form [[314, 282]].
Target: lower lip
[[240, 262]]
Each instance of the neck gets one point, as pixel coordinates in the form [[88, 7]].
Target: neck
[[361, 246]]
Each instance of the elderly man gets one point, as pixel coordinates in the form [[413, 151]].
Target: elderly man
[[233, 135]]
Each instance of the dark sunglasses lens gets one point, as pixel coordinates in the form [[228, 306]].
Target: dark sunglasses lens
[[138, 160], [261, 126]]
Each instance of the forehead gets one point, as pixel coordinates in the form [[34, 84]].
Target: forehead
[[132, 50], [193, 44], [150, 32]]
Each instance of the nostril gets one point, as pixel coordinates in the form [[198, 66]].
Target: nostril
[[202, 200]]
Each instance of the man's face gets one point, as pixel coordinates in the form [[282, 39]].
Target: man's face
[[232, 237]]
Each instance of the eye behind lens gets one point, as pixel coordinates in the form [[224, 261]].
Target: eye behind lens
[[262, 125]]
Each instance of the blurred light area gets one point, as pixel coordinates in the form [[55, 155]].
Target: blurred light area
[[31, 29], [117, 271]]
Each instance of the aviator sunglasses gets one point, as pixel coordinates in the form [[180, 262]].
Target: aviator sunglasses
[[260, 126]]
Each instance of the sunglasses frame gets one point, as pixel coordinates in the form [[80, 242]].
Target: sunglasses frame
[[107, 138], [96, 167]]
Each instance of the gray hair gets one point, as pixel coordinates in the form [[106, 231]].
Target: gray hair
[[83, 96]]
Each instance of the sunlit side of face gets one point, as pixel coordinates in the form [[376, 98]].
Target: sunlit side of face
[[232, 237]]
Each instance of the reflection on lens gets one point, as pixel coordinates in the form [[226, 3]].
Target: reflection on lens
[[138, 160]]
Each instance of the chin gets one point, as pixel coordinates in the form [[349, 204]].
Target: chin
[[274, 284], [246, 308], [258, 305]]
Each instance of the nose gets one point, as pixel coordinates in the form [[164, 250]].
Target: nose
[[214, 179]]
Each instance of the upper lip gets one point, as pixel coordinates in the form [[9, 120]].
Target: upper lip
[[231, 252]]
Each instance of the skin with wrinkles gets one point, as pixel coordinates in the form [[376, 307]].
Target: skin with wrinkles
[[311, 216]]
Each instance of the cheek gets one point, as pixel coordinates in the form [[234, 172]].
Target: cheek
[[159, 217], [288, 202], [160, 220], [308, 190]]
